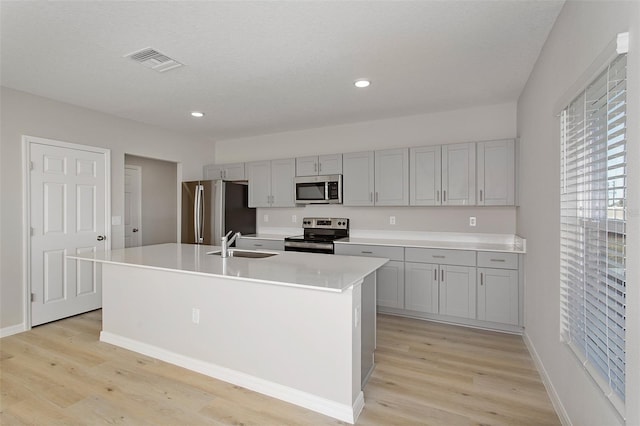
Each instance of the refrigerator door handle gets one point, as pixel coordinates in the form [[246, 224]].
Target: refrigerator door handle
[[198, 210], [202, 213]]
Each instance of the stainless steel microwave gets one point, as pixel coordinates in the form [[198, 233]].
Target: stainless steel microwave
[[319, 189]]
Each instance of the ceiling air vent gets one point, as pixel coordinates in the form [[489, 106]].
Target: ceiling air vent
[[153, 59]]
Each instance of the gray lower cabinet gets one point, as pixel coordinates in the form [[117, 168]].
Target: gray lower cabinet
[[458, 286], [390, 277], [249, 243], [457, 291], [421, 287], [440, 289], [498, 288], [390, 285]]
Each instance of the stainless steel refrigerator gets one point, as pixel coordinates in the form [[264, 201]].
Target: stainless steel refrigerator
[[211, 208]]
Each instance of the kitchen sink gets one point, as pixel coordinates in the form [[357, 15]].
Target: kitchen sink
[[252, 254]]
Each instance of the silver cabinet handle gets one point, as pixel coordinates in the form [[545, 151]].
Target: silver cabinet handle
[[481, 195], [101, 237], [437, 256], [442, 275], [497, 260], [438, 196], [371, 196], [315, 167], [435, 274], [376, 196], [257, 245], [481, 278], [444, 196], [319, 167], [366, 252]]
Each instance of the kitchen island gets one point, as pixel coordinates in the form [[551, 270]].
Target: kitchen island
[[296, 326]]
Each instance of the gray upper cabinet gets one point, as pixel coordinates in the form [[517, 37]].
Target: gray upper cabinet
[[459, 174], [319, 165], [271, 183], [376, 178], [496, 173], [425, 187], [282, 185], [233, 171], [358, 178], [392, 177]]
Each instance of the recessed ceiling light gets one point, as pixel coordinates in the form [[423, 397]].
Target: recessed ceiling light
[[362, 83], [197, 114]]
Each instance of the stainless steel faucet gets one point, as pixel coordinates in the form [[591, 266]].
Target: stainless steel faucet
[[226, 242]]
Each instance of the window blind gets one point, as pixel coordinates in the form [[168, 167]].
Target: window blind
[[593, 228]]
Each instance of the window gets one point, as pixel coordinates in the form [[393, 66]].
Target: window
[[593, 228]]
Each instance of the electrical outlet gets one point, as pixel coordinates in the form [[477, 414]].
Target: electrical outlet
[[195, 315], [392, 220], [265, 218], [472, 221], [294, 218]]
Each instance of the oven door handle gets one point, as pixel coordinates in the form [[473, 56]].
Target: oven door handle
[[300, 244]]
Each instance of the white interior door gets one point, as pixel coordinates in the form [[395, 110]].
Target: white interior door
[[68, 210], [132, 206]]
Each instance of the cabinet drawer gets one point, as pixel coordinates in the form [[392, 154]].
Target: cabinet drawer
[[389, 252], [488, 259], [257, 244], [442, 257]]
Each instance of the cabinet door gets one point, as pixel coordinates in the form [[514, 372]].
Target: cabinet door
[[233, 171], [458, 291], [282, 186], [358, 179], [424, 178], [390, 285], [213, 172], [421, 287], [459, 174], [307, 166], [330, 164], [392, 177], [496, 173], [259, 176], [498, 295]]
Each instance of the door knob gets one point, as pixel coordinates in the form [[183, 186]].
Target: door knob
[[101, 237], [134, 230]]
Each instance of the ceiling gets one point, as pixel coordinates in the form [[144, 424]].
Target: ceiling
[[272, 66]]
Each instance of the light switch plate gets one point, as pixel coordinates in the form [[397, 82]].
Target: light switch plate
[[116, 220]]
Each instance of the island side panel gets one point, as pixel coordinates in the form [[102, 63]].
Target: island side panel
[[295, 337], [368, 329]]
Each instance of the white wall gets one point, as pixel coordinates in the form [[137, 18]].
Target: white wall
[[159, 199], [467, 125], [580, 34], [25, 114]]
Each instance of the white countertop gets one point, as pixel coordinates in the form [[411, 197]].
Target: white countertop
[[309, 270], [441, 244], [506, 243]]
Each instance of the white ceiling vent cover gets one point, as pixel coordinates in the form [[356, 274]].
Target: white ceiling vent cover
[[153, 59]]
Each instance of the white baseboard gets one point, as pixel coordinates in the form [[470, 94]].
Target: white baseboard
[[324, 406], [11, 330], [546, 380]]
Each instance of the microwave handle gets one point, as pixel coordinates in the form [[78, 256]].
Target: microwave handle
[[326, 190]]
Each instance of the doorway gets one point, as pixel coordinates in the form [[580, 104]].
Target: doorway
[[132, 206], [68, 207], [158, 200]]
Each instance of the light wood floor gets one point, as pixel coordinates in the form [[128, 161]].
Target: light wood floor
[[426, 373]]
